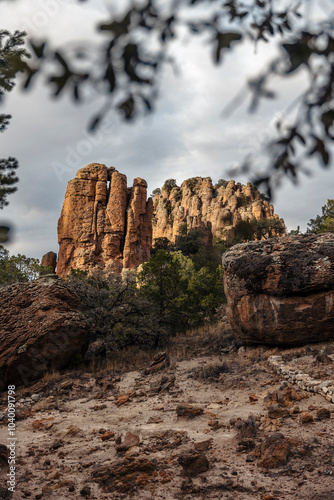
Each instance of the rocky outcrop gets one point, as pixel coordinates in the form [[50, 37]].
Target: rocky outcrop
[[281, 291], [41, 329], [216, 210], [103, 222], [49, 263]]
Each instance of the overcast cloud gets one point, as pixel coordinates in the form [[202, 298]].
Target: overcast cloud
[[185, 136]]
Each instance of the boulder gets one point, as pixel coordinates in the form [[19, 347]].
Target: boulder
[[49, 261], [41, 329], [281, 290]]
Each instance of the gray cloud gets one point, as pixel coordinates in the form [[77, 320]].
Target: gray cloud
[[184, 137]]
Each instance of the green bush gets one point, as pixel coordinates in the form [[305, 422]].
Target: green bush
[[183, 296], [156, 191], [192, 183], [221, 183], [169, 185], [17, 268], [116, 310]]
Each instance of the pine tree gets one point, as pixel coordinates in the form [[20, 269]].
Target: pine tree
[[12, 56]]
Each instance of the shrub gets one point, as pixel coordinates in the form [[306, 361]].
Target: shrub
[[169, 185], [156, 191], [192, 183], [116, 310], [211, 371], [247, 429], [17, 268], [178, 195], [221, 183]]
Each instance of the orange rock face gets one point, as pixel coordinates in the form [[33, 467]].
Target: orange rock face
[[103, 223], [49, 260], [216, 210]]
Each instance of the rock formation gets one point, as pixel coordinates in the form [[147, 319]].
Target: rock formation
[[281, 291], [216, 210], [103, 222], [49, 262], [41, 329]]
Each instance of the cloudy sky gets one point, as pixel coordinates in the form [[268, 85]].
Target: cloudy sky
[[186, 136]]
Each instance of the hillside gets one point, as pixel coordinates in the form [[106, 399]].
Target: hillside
[[74, 428]]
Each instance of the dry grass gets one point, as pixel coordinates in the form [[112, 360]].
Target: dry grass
[[52, 376], [205, 340], [211, 371]]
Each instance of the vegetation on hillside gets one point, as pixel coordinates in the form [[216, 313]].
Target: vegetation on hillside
[[17, 268], [323, 223]]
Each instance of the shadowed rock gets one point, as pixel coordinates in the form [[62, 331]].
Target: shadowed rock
[[41, 329], [281, 291], [49, 261], [193, 463]]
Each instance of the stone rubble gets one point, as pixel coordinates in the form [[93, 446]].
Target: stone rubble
[[303, 380]]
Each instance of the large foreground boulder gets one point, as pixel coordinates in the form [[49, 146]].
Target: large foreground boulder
[[40, 329], [281, 291]]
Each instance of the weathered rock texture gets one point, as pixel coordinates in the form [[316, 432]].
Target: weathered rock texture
[[103, 222], [281, 291], [216, 210], [40, 329], [49, 261]]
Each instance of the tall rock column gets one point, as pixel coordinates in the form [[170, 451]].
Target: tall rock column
[[103, 223], [138, 240]]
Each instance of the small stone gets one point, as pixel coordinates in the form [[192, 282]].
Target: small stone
[[193, 463], [86, 491], [73, 430], [155, 420], [273, 451], [122, 399], [132, 452], [203, 445], [107, 435], [323, 414], [188, 411], [306, 418], [130, 440]]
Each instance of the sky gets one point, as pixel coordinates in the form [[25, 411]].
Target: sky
[[186, 135]]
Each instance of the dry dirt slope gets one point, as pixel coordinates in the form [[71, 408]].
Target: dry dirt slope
[[73, 441]]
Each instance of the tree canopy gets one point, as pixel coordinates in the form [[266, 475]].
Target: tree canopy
[[12, 61], [127, 65], [323, 223]]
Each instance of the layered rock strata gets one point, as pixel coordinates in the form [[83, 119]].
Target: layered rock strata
[[103, 222], [281, 291], [41, 329], [216, 210]]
